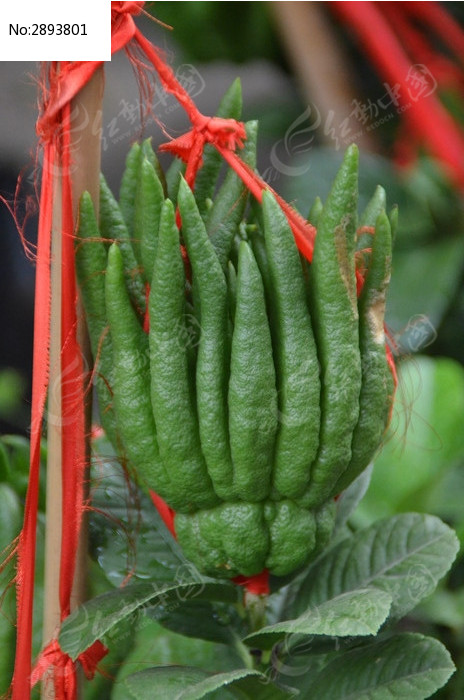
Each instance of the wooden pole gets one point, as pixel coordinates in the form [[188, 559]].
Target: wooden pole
[[86, 119], [321, 66]]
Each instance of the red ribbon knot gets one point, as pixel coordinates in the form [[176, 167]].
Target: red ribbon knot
[[64, 669], [122, 25], [223, 133]]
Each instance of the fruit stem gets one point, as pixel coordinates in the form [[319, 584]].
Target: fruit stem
[[255, 605]]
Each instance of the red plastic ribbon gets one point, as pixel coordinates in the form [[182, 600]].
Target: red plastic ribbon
[[71, 388], [75, 74], [64, 669], [426, 116], [258, 585], [54, 129], [27, 539], [167, 514], [437, 19]]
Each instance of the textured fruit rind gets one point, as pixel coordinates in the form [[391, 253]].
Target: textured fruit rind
[[228, 339], [245, 538], [212, 366], [171, 390], [377, 386], [335, 318], [252, 395], [91, 258], [131, 383], [295, 357]]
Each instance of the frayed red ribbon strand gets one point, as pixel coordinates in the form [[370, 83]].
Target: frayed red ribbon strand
[[71, 420], [75, 74], [53, 127], [426, 115], [64, 668], [27, 538]]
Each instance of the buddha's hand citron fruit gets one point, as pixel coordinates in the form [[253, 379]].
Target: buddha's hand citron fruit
[[256, 386]]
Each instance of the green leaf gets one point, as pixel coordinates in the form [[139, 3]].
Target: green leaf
[[5, 469], [445, 607], [11, 515], [185, 683], [96, 617], [7, 642], [243, 683], [415, 469], [137, 542], [297, 663], [104, 685], [202, 620], [155, 646], [12, 386], [437, 273], [350, 498], [169, 682], [404, 666], [356, 613], [405, 556], [17, 454]]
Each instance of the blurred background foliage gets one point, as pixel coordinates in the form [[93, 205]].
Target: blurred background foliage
[[421, 466]]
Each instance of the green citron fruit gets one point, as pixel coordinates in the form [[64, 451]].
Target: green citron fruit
[[248, 387]]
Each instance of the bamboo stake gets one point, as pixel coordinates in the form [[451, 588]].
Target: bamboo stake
[[86, 157], [86, 111], [51, 615]]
